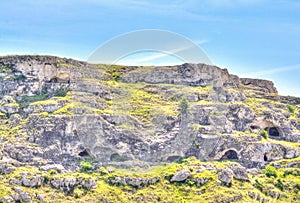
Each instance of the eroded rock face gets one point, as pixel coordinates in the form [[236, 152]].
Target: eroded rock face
[[65, 111], [260, 85], [186, 74]]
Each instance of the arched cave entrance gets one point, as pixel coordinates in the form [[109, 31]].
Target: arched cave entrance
[[174, 158], [230, 155], [117, 158], [273, 131], [84, 153]]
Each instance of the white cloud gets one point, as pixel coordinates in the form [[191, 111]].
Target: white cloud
[[271, 71]]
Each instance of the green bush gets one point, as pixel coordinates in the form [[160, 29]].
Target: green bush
[[4, 70], [53, 172], [292, 171], [279, 184], [86, 166], [116, 75], [258, 185], [292, 109], [183, 106], [270, 171], [264, 134], [61, 93]]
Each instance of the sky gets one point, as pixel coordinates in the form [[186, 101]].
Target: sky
[[251, 38]]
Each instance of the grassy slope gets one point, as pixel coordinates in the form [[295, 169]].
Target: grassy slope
[[282, 181]]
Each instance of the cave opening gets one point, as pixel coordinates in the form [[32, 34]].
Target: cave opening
[[117, 158], [54, 80], [265, 157], [230, 155], [273, 131], [254, 127], [84, 153], [174, 158]]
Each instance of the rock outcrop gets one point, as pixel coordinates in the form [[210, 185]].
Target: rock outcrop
[[62, 110]]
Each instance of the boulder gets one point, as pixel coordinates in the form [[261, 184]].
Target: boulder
[[225, 176], [180, 176]]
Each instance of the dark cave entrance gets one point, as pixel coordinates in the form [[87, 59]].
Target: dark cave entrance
[[230, 155], [273, 131], [265, 157], [254, 127], [84, 153]]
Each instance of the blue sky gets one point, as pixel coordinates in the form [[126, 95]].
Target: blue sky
[[257, 38]]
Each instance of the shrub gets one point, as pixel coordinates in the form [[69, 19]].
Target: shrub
[[279, 184], [116, 75], [264, 134], [61, 93], [258, 185], [292, 109], [292, 171], [270, 171], [86, 166], [4, 70], [52, 172], [183, 106]]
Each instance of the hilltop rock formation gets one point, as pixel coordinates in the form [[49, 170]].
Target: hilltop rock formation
[[57, 111]]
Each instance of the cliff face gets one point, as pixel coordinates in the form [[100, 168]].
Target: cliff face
[[55, 114], [65, 110]]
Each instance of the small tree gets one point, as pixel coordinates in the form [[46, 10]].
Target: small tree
[[264, 134]]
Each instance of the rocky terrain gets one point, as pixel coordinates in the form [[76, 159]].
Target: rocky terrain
[[73, 131]]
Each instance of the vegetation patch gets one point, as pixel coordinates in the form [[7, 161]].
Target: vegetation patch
[[264, 134], [27, 100]]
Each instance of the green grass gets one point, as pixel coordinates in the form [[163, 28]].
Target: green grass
[[286, 181], [270, 171], [43, 98]]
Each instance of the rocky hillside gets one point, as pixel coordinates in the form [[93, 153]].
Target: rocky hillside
[[72, 131]]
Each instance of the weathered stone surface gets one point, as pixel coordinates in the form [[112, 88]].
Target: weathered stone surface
[[258, 197], [240, 173], [20, 196], [180, 176], [6, 168], [257, 84], [200, 181], [67, 185], [36, 181], [57, 167], [218, 110], [134, 182], [226, 176]]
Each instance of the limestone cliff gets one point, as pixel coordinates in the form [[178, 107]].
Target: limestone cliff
[[57, 111]]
